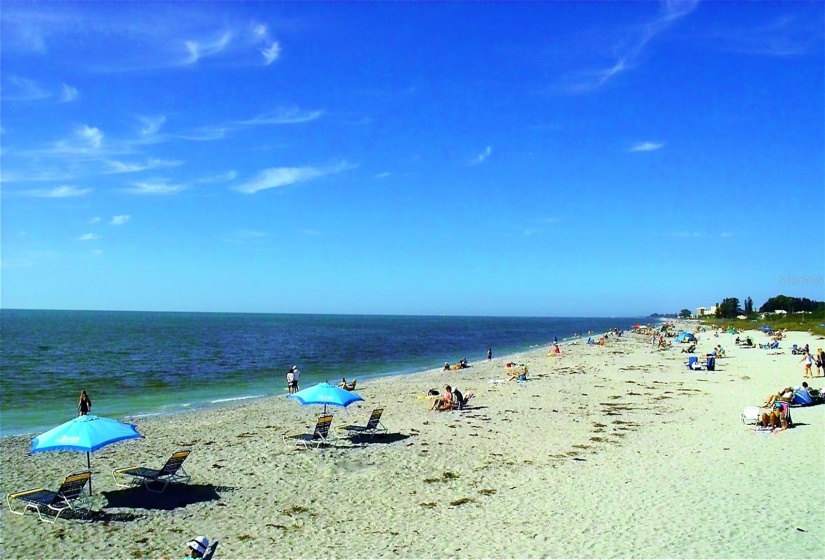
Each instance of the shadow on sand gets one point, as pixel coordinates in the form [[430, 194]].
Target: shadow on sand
[[175, 496], [378, 438]]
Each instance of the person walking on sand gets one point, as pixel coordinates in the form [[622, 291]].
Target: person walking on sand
[[489, 354], [84, 405], [809, 361]]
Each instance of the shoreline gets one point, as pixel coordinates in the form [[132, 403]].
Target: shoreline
[[604, 452], [229, 356]]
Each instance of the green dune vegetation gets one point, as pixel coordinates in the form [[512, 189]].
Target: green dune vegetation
[[780, 312]]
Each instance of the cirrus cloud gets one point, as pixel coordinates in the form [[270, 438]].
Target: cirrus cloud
[[645, 147], [64, 191], [275, 177]]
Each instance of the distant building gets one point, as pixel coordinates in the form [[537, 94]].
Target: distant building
[[781, 312], [701, 311]]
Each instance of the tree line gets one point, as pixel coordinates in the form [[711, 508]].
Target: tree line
[[729, 308]]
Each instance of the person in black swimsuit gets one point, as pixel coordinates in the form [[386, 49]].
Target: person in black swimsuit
[[85, 404]]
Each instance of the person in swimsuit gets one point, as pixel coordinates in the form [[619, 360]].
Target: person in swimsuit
[[84, 405], [445, 402]]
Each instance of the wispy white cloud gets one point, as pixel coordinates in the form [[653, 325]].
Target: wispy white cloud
[[243, 236], [36, 175], [275, 177], [221, 178], [645, 147], [65, 191], [383, 175], [201, 49], [685, 234], [203, 134], [271, 53], [482, 156], [24, 89], [88, 237], [167, 37], [629, 48], [94, 220], [156, 187], [282, 116], [122, 167], [68, 94], [270, 50], [151, 125], [120, 219], [785, 36]]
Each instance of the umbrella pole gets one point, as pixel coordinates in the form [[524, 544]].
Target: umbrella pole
[[89, 465]]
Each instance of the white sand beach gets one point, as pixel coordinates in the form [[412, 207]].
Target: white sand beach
[[607, 451]]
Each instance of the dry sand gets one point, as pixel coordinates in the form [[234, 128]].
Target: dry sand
[[614, 451]]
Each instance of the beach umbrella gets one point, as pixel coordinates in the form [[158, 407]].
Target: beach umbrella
[[85, 433], [327, 395]]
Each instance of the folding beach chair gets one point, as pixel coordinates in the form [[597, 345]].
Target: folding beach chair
[[210, 551], [373, 426], [171, 472], [70, 495], [751, 415], [317, 438]]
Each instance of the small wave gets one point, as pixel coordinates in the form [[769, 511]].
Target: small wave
[[236, 399], [144, 415]]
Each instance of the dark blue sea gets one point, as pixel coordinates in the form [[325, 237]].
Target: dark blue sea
[[144, 363]]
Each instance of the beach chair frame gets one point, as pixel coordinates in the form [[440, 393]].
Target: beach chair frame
[[320, 436], [373, 426], [69, 496], [171, 472]]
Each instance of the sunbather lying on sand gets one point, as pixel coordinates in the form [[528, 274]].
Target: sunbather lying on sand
[[785, 395], [518, 373]]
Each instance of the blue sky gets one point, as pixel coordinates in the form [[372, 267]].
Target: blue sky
[[537, 158]]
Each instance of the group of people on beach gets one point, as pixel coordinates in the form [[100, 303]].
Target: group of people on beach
[[292, 377], [451, 399]]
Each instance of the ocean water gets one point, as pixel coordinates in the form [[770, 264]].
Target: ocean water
[[144, 363]]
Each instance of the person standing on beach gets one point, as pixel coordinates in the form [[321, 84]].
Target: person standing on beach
[[489, 354], [295, 376], [809, 361], [84, 405], [290, 380]]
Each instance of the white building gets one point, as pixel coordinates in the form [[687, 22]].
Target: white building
[[701, 311]]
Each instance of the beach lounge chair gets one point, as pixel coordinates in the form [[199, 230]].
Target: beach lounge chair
[[210, 551], [171, 472], [70, 495], [317, 438], [461, 404], [751, 415], [373, 426]]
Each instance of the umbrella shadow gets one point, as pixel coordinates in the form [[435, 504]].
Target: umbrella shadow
[[175, 496]]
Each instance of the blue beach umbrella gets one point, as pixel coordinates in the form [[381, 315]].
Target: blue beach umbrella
[[85, 433], [325, 394]]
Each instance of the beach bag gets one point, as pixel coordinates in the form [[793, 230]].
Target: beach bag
[[432, 392]]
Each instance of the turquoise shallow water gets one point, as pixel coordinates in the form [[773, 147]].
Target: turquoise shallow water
[[137, 363]]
